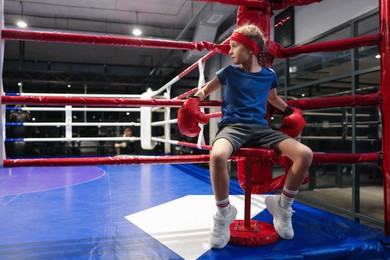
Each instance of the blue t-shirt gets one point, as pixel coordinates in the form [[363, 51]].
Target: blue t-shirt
[[246, 94]]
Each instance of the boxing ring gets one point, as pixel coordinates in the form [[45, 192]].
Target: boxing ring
[[127, 192]]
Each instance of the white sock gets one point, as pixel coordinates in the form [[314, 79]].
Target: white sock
[[287, 198], [223, 207]]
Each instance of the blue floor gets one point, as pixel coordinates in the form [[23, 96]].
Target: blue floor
[[78, 213]]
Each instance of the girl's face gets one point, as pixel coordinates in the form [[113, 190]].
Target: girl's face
[[239, 53]]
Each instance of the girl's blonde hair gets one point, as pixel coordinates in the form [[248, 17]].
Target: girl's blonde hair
[[254, 33]]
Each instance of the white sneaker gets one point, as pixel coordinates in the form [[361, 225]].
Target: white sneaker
[[220, 233], [282, 217]]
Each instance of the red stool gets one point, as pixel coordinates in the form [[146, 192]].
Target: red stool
[[254, 169]]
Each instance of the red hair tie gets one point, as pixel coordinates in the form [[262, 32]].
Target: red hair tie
[[246, 41]]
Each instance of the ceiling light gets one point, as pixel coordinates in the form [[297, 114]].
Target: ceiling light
[[21, 24], [69, 86], [137, 32], [293, 69]]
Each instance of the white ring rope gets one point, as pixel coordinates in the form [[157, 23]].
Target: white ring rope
[[168, 122], [76, 139], [201, 82], [75, 124], [80, 109], [157, 139], [166, 86], [160, 123]]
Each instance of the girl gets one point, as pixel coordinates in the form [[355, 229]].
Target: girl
[[249, 84]]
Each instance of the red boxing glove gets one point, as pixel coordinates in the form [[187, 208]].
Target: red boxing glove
[[189, 116], [293, 122]]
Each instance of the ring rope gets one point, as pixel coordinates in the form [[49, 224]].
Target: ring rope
[[184, 73], [77, 109], [117, 160], [201, 82], [25, 35], [70, 95], [72, 124], [126, 160], [317, 158], [190, 92], [71, 139], [274, 48], [337, 45], [372, 99], [117, 102], [160, 123]]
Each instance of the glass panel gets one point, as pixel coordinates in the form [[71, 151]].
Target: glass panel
[[328, 185], [371, 191], [326, 131], [369, 139], [342, 33], [368, 120], [368, 26], [330, 88], [316, 66], [279, 67], [330, 130], [369, 82], [368, 56]]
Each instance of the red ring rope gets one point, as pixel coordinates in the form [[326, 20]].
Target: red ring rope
[[244, 152], [81, 101], [307, 103], [338, 45], [110, 40], [274, 48], [106, 161]]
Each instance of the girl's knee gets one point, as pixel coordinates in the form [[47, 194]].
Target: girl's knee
[[306, 155], [221, 151], [218, 157]]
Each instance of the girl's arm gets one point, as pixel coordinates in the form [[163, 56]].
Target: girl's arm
[[277, 101], [208, 89]]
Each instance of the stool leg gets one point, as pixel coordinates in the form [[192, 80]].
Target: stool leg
[[251, 232], [248, 192]]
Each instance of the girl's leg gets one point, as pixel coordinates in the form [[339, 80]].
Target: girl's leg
[[220, 234], [280, 206], [301, 155], [222, 149]]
